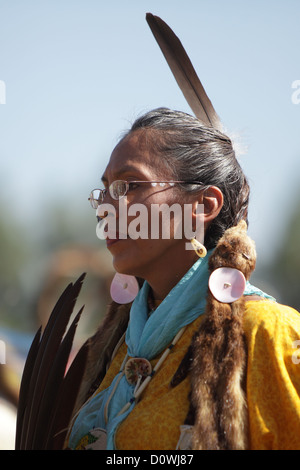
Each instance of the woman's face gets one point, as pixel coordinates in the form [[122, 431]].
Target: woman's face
[[132, 160]]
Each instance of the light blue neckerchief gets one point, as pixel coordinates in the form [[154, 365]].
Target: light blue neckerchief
[[147, 337]]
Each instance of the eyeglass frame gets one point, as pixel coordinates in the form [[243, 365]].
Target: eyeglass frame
[[103, 192]]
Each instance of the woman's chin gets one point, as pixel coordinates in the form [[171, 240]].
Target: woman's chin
[[124, 265]]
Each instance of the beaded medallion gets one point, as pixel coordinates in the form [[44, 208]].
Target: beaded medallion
[[137, 368]]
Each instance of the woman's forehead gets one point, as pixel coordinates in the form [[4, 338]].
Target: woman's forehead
[[136, 154], [136, 145]]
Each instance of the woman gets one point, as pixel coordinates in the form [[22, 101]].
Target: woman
[[170, 158]]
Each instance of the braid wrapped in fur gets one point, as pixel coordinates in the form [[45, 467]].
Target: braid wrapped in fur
[[219, 355]]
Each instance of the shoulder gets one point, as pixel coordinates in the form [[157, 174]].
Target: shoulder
[[269, 314], [273, 374], [270, 322]]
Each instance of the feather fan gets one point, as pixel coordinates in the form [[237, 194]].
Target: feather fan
[[47, 395]]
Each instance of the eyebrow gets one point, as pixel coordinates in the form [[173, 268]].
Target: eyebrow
[[125, 169]]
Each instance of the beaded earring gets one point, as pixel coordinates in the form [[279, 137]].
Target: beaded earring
[[199, 248]]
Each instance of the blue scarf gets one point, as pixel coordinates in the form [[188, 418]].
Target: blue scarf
[[147, 337]]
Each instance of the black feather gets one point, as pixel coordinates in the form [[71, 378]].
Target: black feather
[[184, 72]]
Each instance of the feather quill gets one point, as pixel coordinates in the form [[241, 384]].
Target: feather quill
[[184, 72]]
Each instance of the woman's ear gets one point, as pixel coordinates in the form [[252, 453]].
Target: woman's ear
[[211, 201]]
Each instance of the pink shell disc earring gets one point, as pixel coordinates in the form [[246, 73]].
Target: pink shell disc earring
[[124, 288], [227, 284]]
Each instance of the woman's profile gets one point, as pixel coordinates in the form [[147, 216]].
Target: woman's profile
[[190, 354]]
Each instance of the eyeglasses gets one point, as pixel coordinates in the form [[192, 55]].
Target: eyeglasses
[[120, 188]]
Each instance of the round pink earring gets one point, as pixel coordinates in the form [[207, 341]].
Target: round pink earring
[[124, 288], [227, 284]]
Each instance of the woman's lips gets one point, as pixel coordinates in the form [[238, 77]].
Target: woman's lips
[[110, 242], [115, 239]]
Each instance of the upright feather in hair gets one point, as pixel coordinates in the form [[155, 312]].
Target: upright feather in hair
[[184, 72]]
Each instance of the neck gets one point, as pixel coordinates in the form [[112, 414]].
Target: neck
[[152, 302], [163, 280]]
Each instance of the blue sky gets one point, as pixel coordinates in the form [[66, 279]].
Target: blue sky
[[78, 72]]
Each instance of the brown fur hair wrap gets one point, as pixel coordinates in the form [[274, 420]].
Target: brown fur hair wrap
[[219, 355]]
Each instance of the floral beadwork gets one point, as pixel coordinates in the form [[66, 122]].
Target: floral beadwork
[[136, 368], [93, 440]]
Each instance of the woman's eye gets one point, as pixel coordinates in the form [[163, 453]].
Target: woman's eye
[[132, 186]]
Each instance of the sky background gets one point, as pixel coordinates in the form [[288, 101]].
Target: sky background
[[77, 73]]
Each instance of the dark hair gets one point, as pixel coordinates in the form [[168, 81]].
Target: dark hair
[[195, 152]]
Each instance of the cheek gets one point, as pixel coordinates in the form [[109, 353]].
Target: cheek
[[129, 255], [136, 257], [152, 229], [168, 223]]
